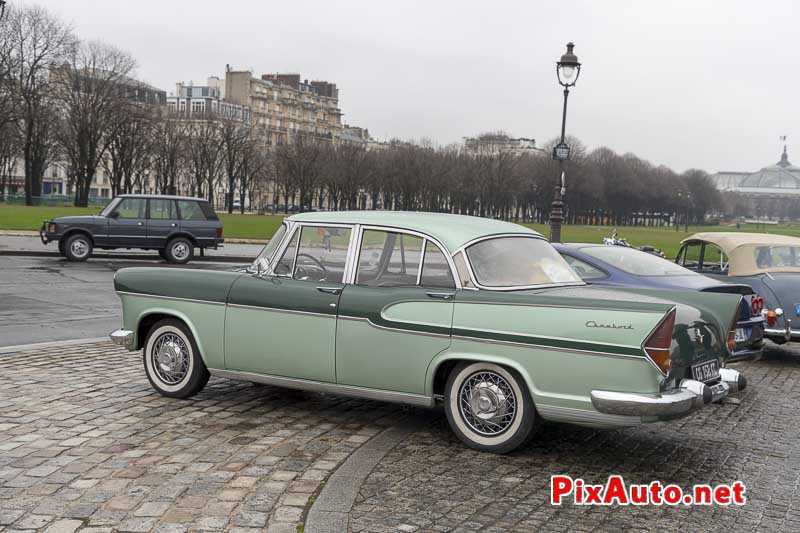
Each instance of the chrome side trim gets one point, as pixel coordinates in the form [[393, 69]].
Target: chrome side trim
[[332, 388], [158, 296], [545, 347], [395, 330], [585, 416], [278, 310]]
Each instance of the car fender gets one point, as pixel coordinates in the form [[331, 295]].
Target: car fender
[[175, 313], [452, 355], [69, 232]]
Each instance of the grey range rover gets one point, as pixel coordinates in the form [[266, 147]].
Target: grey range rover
[[173, 225]]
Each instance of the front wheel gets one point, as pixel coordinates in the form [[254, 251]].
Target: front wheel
[[489, 407], [172, 361], [78, 247]]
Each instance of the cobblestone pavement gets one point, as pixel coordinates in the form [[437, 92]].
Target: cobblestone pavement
[[86, 444], [431, 483]]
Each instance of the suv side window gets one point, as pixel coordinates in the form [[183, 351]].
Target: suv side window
[[190, 210], [163, 210], [132, 208]]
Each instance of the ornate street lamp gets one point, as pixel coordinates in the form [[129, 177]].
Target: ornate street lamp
[[567, 69], [2, 8]]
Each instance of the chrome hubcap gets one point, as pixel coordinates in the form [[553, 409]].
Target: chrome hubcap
[[487, 403], [170, 357], [180, 250], [79, 248]]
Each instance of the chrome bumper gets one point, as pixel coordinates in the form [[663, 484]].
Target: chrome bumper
[[787, 333], [123, 337], [689, 396]]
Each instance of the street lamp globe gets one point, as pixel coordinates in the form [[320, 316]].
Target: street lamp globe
[[568, 68]]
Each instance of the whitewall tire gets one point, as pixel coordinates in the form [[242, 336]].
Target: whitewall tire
[[172, 361], [489, 407]]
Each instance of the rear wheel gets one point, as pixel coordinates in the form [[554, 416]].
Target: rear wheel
[[172, 361], [179, 250], [78, 247], [489, 407]]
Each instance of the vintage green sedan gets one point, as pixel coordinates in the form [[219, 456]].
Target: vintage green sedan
[[482, 316]]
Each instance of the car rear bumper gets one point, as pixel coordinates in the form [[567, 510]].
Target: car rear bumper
[[122, 337], [691, 395], [782, 335]]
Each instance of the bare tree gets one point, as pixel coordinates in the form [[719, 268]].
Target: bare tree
[[168, 152], [298, 165], [91, 90], [235, 137], [34, 41], [128, 146]]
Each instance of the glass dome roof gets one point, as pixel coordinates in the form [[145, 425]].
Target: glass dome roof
[[781, 175]]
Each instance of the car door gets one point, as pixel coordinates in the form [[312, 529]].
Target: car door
[[284, 323], [162, 221], [127, 223], [397, 315], [195, 222]]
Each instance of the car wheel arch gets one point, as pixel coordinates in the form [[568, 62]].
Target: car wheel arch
[[440, 368], [184, 235], [149, 318], [75, 231]]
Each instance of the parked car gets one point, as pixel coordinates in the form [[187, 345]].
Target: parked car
[[614, 240], [769, 263], [617, 266], [481, 316], [173, 225]]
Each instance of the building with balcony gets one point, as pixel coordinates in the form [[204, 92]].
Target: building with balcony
[[202, 101], [285, 106]]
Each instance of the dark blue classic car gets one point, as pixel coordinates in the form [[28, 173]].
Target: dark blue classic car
[[768, 263], [618, 266]]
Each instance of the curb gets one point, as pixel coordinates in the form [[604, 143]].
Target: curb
[[330, 512], [132, 257], [50, 344]]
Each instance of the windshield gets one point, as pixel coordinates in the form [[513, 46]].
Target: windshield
[[110, 207], [518, 262], [265, 257], [636, 262]]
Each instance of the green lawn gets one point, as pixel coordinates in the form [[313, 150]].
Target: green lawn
[[16, 217]]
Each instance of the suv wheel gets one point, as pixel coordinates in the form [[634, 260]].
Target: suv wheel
[[172, 361], [78, 247], [179, 250], [489, 407]]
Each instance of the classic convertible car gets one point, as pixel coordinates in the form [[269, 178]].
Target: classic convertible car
[[479, 315], [769, 263], [617, 266]]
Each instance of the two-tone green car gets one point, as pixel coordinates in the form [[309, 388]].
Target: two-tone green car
[[482, 316]]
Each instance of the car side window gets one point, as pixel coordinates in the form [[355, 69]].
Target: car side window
[[463, 273], [690, 256], [322, 254], [388, 259], [586, 271], [132, 208], [285, 266], [714, 260], [190, 210], [163, 210], [435, 269]]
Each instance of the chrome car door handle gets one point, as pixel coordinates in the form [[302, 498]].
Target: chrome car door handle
[[440, 295], [173, 224], [330, 290], [140, 223]]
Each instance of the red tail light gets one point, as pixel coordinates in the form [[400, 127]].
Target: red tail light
[[657, 345], [756, 305], [219, 233]]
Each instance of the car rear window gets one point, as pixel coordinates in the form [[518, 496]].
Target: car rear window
[[191, 210]]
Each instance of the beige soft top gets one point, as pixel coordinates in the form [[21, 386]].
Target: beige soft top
[[745, 249]]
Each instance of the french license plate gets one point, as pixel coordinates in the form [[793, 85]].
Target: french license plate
[[742, 334], [706, 371]]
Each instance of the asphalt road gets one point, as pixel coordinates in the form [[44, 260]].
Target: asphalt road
[[46, 299]]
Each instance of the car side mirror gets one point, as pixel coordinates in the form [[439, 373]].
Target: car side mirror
[[114, 215]]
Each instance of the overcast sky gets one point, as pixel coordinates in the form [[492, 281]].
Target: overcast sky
[[683, 83]]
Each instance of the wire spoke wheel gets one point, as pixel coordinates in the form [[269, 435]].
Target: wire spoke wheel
[[170, 357], [487, 403]]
